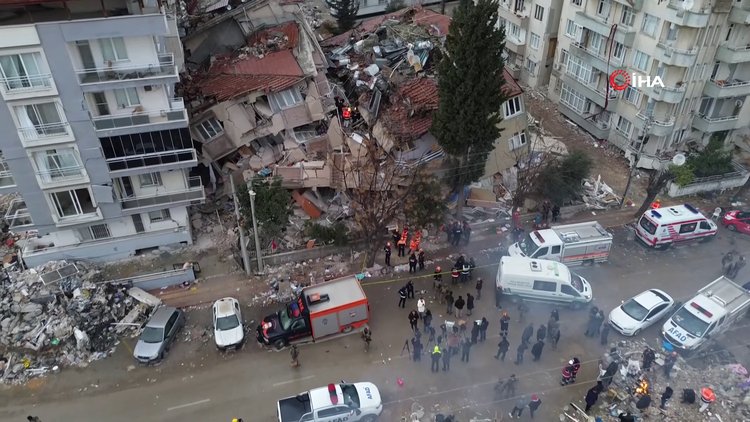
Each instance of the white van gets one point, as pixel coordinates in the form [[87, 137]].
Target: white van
[[541, 280], [660, 228]]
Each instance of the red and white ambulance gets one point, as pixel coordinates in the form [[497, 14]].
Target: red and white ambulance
[[661, 227]]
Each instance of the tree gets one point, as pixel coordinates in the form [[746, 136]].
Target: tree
[[345, 13], [657, 181], [426, 206], [531, 163], [272, 207], [562, 180], [470, 82]]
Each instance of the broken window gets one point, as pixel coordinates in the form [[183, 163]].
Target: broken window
[[73, 203], [306, 132], [517, 140], [210, 128]]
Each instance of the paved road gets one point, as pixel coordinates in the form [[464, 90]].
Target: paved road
[[202, 385]]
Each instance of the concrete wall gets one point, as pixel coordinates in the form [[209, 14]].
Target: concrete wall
[[708, 184], [160, 279]]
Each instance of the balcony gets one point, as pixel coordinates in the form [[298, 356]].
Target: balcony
[[714, 124], [637, 5], [191, 195], [727, 88], [587, 89], [6, 177], [163, 161], [123, 124], [668, 94], [62, 176], [598, 129], [656, 127], [675, 56], [520, 18], [739, 15], [515, 45], [624, 35], [45, 133], [22, 86], [18, 215], [598, 61], [116, 76], [690, 18], [731, 54]]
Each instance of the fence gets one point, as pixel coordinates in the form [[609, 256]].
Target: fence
[[720, 182]]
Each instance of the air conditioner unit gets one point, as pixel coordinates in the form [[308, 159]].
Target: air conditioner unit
[[148, 88], [738, 103]]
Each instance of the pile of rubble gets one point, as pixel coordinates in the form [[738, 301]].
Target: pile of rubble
[[61, 314], [729, 381], [598, 195]]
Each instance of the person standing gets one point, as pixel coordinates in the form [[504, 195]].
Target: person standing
[[416, 344], [465, 272], [604, 334], [36, 419], [504, 323], [457, 233], [467, 232], [449, 302], [479, 288], [648, 359], [669, 362], [475, 333], [446, 360], [459, 306], [412, 263], [665, 396], [534, 404], [735, 270], [413, 318], [527, 333], [522, 309], [469, 304], [387, 251], [483, 329], [599, 321], [555, 314], [402, 244], [521, 403], [536, 350], [520, 351], [436, 355], [437, 278], [465, 349], [545, 211], [591, 326], [427, 319], [402, 297], [294, 353], [421, 307], [510, 386], [592, 396], [410, 289], [420, 260], [541, 333], [455, 274], [555, 213], [727, 261], [502, 348], [554, 335]]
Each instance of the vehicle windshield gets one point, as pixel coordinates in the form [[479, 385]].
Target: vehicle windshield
[[690, 323], [634, 310], [285, 319], [647, 225], [576, 282], [152, 335], [351, 398], [527, 245], [228, 322]]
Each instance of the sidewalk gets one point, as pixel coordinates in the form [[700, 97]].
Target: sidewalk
[[245, 289]]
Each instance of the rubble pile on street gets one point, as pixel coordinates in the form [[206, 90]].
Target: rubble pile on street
[[598, 195], [61, 314], [729, 381]]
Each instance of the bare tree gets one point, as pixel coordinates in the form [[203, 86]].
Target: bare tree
[[657, 181], [530, 164]]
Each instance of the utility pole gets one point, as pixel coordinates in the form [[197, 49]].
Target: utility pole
[[258, 254], [243, 243], [646, 128]]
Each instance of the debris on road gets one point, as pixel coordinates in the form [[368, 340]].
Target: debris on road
[[598, 195]]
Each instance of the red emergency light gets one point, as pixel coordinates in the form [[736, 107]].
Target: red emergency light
[[701, 309], [332, 392], [539, 237]]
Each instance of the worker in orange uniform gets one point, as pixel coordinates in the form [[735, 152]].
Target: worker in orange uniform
[[707, 397]]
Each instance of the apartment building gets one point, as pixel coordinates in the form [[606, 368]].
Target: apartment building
[[530, 38], [96, 146], [699, 49]]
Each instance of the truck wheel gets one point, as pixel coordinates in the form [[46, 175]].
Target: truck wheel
[[347, 329], [369, 418], [588, 262], [708, 238], [664, 247], [279, 344]]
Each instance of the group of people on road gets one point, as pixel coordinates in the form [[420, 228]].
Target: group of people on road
[[732, 263], [542, 217], [457, 232]]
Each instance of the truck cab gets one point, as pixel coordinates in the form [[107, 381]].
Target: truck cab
[[347, 402], [571, 244], [543, 244], [286, 325]]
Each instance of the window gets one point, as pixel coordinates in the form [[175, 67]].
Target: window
[[538, 12], [688, 228], [6, 177], [571, 29], [512, 107], [515, 32], [602, 9], [58, 164], [127, 97], [624, 126], [531, 66], [534, 41], [595, 42], [647, 225], [572, 99], [40, 120], [20, 71], [150, 179], [576, 2], [210, 128], [640, 60], [705, 226], [627, 17], [650, 25], [632, 95], [95, 232], [286, 98], [304, 133], [563, 57], [160, 215], [580, 70], [565, 289], [540, 252], [113, 49], [618, 51], [517, 140], [73, 203], [556, 250], [545, 286]]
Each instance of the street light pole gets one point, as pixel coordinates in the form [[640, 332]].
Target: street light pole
[[243, 243], [258, 255], [646, 128]]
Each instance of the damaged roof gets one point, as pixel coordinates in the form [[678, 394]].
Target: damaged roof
[[411, 115], [511, 88], [267, 64]]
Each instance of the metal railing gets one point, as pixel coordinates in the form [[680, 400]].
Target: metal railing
[[115, 72], [115, 121], [691, 52], [728, 84], [152, 159], [62, 174], [44, 131], [664, 123], [18, 214], [718, 119], [6, 177], [27, 83], [193, 192]]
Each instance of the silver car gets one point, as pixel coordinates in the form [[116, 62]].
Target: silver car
[[158, 334]]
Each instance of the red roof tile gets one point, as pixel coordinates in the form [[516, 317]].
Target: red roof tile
[[411, 116], [365, 27], [432, 19], [289, 30], [511, 88]]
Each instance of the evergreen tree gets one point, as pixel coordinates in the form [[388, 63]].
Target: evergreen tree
[[470, 80], [346, 13]]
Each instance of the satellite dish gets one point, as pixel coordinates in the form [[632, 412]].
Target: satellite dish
[[687, 4], [679, 159]]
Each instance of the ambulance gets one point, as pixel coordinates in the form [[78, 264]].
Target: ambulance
[[661, 227]]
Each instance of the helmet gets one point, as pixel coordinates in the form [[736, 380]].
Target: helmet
[[438, 269], [570, 362], [388, 244]]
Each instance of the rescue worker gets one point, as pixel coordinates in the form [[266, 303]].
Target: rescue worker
[[454, 275], [295, 356], [437, 278], [707, 397], [412, 263], [504, 323], [502, 348], [669, 362], [387, 251], [567, 373], [576, 368], [479, 288], [402, 297], [410, 289], [465, 272], [436, 355], [420, 259]]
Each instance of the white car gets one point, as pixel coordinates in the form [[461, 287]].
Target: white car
[[640, 312], [228, 328]]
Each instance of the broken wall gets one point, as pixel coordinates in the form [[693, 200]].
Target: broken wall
[[502, 157], [223, 38]]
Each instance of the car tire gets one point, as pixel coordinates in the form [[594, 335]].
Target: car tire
[[664, 247], [732, 228], [636, 332], [369, 418], [279, 344], [575, 305]]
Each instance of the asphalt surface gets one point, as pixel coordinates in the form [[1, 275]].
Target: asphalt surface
[[197, 383]]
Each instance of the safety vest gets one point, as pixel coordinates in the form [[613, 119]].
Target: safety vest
[[436, 350], [347, 112]]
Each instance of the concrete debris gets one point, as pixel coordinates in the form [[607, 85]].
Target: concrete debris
[[598, 195], [69, 319]]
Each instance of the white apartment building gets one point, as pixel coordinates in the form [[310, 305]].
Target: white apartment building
[[530, 38], [699, 48], [96, 147]]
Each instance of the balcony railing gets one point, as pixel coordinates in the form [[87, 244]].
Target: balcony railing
[[718, 119], [115, 73], [154, 159], [62, 174], [6, 177], [662, 123], [18, 214], [192, 193], [27, 83], [116, 121], [44, 131], [729, 84]]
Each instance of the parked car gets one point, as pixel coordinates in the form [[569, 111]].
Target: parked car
[[640, 312], [158, 334], [737, 221], [228, 328]]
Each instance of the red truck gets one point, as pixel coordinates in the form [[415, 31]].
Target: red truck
[[336, 307]]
